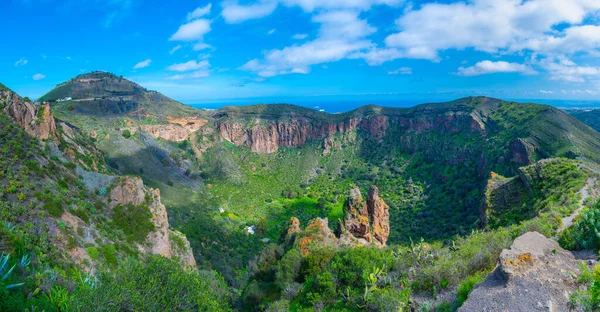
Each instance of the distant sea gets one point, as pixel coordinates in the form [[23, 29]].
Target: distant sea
[[338, 104]]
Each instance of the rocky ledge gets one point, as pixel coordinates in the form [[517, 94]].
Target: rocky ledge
[[535, 274]]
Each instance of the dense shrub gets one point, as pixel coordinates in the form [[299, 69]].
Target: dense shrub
[[585, 232], [54, 207], [134, 221], [156, 284]]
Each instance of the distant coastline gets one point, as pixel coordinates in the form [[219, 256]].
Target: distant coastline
[[334, 105]]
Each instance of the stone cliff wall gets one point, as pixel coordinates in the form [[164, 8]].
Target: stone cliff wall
[[266, 136], [36, 119]]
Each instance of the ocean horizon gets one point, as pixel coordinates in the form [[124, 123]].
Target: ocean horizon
[[339, 105]]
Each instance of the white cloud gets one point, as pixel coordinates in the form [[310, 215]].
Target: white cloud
[[201, 46], [529, 29], [192, 31], [341, 34], [401, 71], [175, 49], [193, 75], [270, 32], [563, 69], [375, 56], [199, 12], [38, 77], [234, 13], [21, 62], [142, 64], [189, 66], [495, 26], [490, 67], [312, 5], [547, 92]]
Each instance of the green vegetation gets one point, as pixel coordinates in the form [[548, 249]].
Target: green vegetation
[[551, 187], [585, 232], [588, 117], [134, 221], [3, 87], [464, 289], [155, 284], [589, 299]]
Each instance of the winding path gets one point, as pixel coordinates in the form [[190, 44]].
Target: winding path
[[584, 193]]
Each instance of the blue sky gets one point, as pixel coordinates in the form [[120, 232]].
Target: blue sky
[[203, 51]]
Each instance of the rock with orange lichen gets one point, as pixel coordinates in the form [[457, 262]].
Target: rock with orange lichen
[[379, 216], [356, 216], [294, 226], [535, 274], [365, 222], [316, 235]]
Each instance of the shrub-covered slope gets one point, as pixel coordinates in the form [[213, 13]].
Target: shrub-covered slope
[[68, 225]]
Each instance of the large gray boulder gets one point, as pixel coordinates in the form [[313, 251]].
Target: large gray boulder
[[535, 274]]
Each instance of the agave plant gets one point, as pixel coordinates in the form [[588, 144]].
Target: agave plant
[[8, 225], [5, 272], [89, 279], [24, 262]]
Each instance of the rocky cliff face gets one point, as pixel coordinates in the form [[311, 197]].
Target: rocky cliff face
[[36, 119], [379, 215], [535, 274], [366, 221], [267, 136], [177, 130], [131, 190]]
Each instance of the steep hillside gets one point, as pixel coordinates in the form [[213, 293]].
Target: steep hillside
[[590, 117], [67, 218], [102, 94]]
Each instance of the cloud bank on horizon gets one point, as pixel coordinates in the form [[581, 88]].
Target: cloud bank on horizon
[[235, 48]]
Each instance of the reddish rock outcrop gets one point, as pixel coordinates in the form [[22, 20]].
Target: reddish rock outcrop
[[367, 221], [379, 215], [316, 234], [131, 190], [356, 219], [36, 119], [294, 226]]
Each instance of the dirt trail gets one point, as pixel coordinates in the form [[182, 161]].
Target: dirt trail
[[584, 193]]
